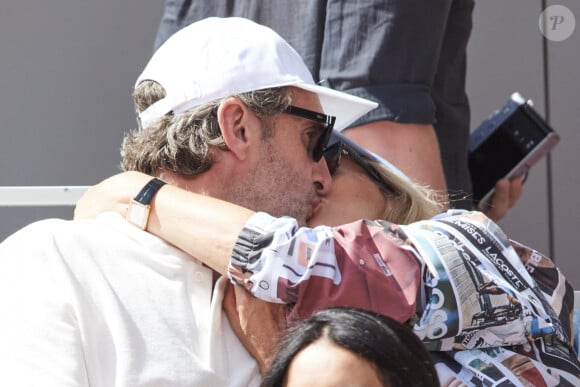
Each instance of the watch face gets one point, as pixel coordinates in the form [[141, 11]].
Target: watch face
[[138, 214]]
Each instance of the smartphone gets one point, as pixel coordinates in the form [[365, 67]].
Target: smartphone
[[507, 145]]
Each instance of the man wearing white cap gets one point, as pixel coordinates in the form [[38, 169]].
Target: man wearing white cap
[[227, 109]]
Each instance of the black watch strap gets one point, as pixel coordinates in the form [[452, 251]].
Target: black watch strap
[[139, 208], [146, 194]]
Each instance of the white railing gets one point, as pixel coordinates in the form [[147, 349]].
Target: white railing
[[39, 196]]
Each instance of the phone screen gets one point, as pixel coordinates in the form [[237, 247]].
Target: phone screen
[[503, 150]]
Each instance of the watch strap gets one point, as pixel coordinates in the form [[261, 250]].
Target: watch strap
[[149, 190]]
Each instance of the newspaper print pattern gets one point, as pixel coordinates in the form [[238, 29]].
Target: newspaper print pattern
[[482, 298], [359, 268], [264, 275], [509, 303], [484, 318]]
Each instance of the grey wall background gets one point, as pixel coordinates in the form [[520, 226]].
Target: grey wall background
[[68, 67], [67, 72]]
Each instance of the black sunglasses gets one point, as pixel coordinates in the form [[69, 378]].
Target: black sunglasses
[[324, 119], [333, 154]]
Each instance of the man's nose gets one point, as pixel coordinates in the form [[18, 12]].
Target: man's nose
[[322, 178]]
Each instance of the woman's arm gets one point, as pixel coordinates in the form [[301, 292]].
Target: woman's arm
[[204, 227], [271, 257], [359, 264]]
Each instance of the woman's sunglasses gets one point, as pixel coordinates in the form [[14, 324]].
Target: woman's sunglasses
[[333, 154]]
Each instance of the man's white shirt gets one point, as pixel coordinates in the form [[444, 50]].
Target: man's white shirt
[[102, 303]]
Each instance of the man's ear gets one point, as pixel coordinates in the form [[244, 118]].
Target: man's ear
[[238, 125]]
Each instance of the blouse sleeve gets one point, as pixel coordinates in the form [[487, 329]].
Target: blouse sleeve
[[458, 273], [361, 264]]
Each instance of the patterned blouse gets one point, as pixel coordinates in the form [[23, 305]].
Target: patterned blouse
[[492, 311]]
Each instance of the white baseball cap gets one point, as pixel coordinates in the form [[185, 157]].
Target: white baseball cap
[[219, 57]]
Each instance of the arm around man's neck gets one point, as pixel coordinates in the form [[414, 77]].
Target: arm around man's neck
[[204, 227]]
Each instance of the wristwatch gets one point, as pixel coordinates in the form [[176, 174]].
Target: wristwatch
[[139, 207]]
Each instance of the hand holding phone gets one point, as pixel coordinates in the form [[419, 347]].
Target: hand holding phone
[[507, 145], [505, 196]]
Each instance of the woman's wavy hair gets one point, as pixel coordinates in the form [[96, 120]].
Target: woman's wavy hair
[[408, 201], [184, 143]]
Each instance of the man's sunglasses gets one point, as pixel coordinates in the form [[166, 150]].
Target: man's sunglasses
[[326, 120], [333, 155]]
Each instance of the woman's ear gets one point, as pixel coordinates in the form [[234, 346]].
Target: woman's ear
[[238, 125]]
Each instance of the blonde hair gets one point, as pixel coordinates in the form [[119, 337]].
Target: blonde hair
[[410, 202]]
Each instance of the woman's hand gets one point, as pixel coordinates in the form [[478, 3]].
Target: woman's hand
[[112, 194], [507, 193], [258, 324]]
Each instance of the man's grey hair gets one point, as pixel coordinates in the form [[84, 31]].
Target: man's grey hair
[[184, 143]]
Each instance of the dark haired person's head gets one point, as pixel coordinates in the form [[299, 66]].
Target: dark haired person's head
[[350, 346]]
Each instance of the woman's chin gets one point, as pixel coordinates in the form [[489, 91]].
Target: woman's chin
[[314, 221], [321, 219], [327, 214]]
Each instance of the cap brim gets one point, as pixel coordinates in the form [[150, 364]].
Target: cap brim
[[345, 107]]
